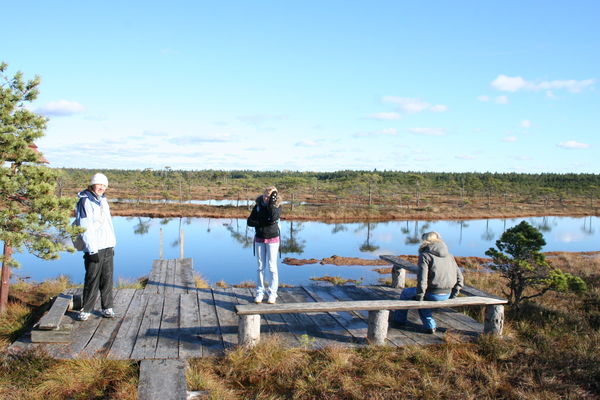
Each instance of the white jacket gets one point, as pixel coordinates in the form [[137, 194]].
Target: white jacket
[[93, 214]]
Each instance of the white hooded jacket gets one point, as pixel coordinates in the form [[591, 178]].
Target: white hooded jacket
[[93, 214]]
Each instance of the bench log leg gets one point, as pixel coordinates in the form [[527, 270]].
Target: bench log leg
[[249, 330], [378, 326], [494, 319], [398, 277]]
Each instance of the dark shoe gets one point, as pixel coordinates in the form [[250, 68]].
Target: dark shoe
[[430, 331]]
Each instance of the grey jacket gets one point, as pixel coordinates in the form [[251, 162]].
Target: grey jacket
[[438, 271]]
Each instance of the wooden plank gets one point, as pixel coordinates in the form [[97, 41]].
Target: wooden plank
[[168, 282], [154, 277], [52, 319], [187, 275], [100, 342], [60, 335], [210, 332], [190, 344], [350, 321], [145, 345], [310, 331], [81, 335], [162, 379], [301, 307], [168, 339], [162, 278], [126, 337], [225, 303]]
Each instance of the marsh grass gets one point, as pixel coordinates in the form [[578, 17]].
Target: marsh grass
[[127, 284], [31, 374], [336, 280], [550, 350], [200, 282]]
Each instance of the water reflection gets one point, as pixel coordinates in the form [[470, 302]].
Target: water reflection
[[221, 248], [290, 243]]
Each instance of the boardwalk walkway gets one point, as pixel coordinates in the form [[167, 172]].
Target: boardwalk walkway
[[171, 319]]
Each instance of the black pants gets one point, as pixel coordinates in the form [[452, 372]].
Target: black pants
[[98, 276]]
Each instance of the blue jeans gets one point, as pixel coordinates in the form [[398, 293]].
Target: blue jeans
[[401, 316], [266, 256]]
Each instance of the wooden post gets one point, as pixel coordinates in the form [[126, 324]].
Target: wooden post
[[398, 277], [160, 245], [181, 243], [249, 330], [494, 319], [378, 327]]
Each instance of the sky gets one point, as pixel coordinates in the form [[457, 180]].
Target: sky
[[446, 86]]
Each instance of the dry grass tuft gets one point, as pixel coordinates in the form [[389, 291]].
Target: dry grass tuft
[[245, 284], [221, 284], [32, 374], [336, 280], [200, 282]]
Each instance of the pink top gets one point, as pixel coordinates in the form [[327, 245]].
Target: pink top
[[267, 241]]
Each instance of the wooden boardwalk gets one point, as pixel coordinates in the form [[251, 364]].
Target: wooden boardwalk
[[171, 319]]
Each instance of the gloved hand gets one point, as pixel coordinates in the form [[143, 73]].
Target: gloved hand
[[273, 197], [419, 297], [93, 257]]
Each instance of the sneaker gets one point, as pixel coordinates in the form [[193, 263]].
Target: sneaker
[[108, 313], [430, 331], [83, 316], [258, 299], [271, 299]]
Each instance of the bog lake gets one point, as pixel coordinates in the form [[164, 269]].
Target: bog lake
[[221, 249]]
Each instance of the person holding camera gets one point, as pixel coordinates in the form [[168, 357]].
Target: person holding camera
[[97, 243], [264, 218], [438, 278]]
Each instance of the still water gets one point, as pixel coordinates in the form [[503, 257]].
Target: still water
[[221, 249]]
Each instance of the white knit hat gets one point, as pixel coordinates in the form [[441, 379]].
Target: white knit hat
[[99, 179]]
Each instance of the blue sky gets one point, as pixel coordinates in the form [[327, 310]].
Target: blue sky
[[506, 86]]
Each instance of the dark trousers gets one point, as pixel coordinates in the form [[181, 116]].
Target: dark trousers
[[98, 277]]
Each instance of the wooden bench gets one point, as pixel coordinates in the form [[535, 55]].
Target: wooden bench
[[50, 328], [249, 314]]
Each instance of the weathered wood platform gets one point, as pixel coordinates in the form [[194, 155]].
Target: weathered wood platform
[[171, 319]]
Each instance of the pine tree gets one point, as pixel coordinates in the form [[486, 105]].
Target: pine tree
[[520, 261], [31, 215]]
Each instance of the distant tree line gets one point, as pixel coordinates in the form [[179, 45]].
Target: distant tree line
[[368, 186]]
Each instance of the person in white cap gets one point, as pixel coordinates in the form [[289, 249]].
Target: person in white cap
[[97, 243]]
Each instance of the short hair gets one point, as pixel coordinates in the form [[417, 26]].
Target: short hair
[[431, 236]]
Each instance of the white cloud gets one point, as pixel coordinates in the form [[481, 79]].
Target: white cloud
[[571, 144], [483, 98], [385, 116], [526, 124], [154, 133], [382, 132], [428, 131], [465, 157], [515, 83], [509, 139], [191, 140], [60, 108], [412, 106], [259, 119], [501, 100], [508, 83], [307, 143]]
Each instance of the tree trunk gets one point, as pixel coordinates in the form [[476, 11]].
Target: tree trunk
[[5, 278]]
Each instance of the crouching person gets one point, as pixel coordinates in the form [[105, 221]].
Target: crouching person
[[438, 278]]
